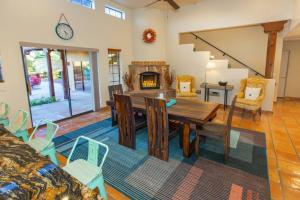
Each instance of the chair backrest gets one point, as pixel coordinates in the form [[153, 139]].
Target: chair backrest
[[93, 151], [18, 121], [230, 115], [114, 89], [158, 128], [4, 110], [255, 82], [51, 130], [126, 120]]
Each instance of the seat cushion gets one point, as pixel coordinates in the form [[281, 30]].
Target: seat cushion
[[82, 170], [248, 104], [39, 144], [213, 129]]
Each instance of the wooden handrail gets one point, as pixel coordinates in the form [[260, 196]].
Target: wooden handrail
[[226, 54]]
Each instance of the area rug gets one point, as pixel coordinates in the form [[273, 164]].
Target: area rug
[[139, 176]]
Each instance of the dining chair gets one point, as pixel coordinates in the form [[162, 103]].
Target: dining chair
[[45, 145], [217, 130], [160, 129], [88, 171], [128, 120], [114, 89], [4, 109], [17, 125]]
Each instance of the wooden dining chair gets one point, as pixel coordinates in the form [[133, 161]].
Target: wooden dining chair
[[160, 129], [128, 121], [217, 130], [114, 89]]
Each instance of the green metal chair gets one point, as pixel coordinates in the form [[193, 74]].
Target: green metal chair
[[4, 112], [45, 145], [88, 171], [17, 125]]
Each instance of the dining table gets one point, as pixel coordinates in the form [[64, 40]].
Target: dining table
[[188, 111], [25, 174]]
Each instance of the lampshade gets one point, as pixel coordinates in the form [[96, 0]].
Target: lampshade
[[211, 65]]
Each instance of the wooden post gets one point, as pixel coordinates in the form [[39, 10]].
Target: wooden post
[[65, 74], [272, 29], [50, 73]]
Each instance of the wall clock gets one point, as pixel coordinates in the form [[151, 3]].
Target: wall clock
[[64, 29], [149, 35]]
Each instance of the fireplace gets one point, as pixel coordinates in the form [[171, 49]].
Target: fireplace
[[149, 80]]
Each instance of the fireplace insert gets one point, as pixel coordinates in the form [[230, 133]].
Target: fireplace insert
[[149, 80]]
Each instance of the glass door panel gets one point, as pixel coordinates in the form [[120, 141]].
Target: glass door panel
[[80, 84]]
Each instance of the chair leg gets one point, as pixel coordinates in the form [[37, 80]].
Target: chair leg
[[197, 145], [260, 111], [180, 138], [114, 120], [101, 188], [226, 146], [52, 156], [254, 114]]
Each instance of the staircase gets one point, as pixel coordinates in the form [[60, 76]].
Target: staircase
[[218, 53]]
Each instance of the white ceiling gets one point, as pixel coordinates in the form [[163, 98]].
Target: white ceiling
[[143, 3]]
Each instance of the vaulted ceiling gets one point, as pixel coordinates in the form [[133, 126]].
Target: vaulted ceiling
[[142, 3]]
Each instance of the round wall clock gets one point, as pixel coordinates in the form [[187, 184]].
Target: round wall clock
[[64, 31], [149, 36]]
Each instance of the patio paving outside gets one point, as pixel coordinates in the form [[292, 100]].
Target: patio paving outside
[[81, 102]]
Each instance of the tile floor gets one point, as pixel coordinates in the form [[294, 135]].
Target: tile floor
[[282, 129]]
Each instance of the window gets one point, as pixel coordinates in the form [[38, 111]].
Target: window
[[114, 12], [114, 66], [85, 3]]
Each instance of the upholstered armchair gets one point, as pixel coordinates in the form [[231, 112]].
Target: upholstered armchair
[[252, 105], [185, 86]]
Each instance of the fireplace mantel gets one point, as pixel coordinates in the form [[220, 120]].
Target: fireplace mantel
[[139, 67]]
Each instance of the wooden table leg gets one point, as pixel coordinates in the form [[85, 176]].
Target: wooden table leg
[[188, 147]]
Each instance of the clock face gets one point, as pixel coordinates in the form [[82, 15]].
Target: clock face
[[64, 31]]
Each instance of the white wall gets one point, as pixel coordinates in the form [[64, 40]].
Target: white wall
[[292, 84], [149, 18], [296, 14], [215, 14], [247, 44], [35, 21]]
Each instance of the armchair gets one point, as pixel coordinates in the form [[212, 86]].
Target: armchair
[[185, 79], [252, 105]]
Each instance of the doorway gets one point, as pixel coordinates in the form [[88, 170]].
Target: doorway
[[59, 83], [283, 73]]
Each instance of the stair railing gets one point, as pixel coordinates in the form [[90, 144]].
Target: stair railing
[[226, 54]]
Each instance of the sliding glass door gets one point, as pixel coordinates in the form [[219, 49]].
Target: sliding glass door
[[80, 82], [58, 83]]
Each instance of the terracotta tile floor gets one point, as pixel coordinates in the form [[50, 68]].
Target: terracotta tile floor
[[282, 129]]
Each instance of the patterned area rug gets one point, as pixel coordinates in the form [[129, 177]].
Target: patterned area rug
[[243, 176]]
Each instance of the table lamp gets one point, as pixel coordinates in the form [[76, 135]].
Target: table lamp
[[210, 65]]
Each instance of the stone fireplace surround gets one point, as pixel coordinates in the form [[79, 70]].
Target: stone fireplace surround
[[138, 67]]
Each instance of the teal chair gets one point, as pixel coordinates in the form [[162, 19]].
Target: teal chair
[[45, 145], [88, 171], [4, 112], [17, 125]]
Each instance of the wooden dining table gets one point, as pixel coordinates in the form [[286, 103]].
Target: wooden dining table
[[25, 174], [188, 111]]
